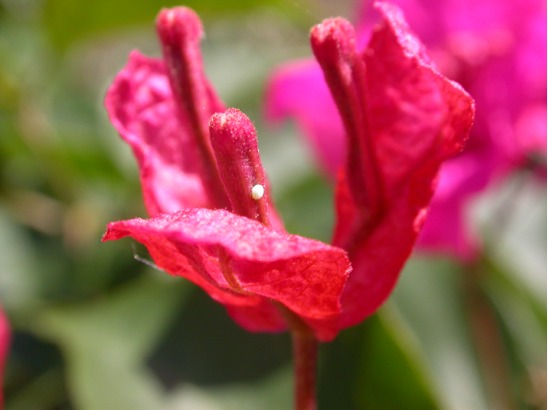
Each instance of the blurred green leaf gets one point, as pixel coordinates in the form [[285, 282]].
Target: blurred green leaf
[[520, 312], [429, 299], [106, 341], [271, 393], [514, 220], [205, 347], [375, 366], [17, 284], [45, 389], [307, 208], [68, 21], [390, 355]]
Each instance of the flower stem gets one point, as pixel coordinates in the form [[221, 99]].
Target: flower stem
[[305, 356], [305, 359]]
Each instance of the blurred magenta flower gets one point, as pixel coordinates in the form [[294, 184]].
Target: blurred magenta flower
[[497, 51], [212, 219]]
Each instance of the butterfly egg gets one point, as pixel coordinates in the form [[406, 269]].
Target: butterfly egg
[[257, 192]]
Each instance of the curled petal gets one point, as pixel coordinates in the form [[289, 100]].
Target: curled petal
[[415, 114], [403, 119], [141, 107], [243, 264]]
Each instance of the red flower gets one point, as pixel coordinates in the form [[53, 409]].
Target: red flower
[[212, 218], [197, 162]]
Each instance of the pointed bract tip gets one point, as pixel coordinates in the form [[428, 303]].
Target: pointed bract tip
[[176, 23], [234, 142], [114, 231], [333, 39], [233, 125], [232, 114], [335, 28]]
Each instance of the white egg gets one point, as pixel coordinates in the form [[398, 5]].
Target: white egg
[[257, 192]]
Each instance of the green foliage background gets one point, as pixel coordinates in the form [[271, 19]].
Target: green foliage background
[[95, 329]]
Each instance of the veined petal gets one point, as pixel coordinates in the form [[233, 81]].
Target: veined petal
[[161, 108], [415, 114], [403, 119], [497, 51], [241, 263], [141, 107]]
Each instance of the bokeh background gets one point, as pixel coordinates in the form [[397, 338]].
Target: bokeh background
[[97, 327]]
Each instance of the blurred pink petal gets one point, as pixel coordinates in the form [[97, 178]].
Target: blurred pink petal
[[313, 110]]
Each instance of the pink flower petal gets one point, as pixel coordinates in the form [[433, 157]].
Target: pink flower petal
[[298, 90]]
